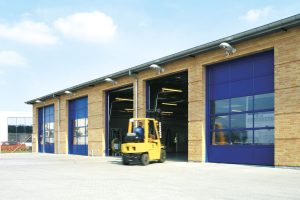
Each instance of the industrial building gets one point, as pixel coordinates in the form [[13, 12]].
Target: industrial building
[[234, 104]]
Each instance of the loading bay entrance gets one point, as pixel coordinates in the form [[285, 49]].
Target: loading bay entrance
[[169, 96], [119, 109]]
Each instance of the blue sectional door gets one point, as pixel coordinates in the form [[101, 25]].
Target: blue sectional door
[[78, 126], [240, 110], [46, 129]]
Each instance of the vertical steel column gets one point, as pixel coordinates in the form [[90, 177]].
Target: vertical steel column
[[58, 125], [136, 98], [43, 129]]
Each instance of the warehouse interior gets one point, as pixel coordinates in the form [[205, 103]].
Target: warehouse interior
[[169, 96], [119, 111]]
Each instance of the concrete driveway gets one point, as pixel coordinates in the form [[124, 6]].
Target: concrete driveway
[[46, 176]]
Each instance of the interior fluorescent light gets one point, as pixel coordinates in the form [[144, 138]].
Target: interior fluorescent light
[[165, 112], [169, 104], [123, 99], [236, 111], [128, 109], [38, 101], [170, 90]]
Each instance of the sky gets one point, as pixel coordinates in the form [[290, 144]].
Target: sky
[[47, 45]]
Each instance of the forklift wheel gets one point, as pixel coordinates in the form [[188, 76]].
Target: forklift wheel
[[163, 156], [145, 159], [125, 160]]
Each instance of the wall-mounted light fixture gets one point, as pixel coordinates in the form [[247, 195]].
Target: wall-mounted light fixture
[[38, 101], [110, 80], [68, 92], [228, 48], [158, 68]]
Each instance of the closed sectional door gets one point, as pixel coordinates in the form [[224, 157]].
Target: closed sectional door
[[240, 110], [78, 126], [46, 129]]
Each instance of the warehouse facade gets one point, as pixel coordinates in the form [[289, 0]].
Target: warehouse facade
[[242, 108]]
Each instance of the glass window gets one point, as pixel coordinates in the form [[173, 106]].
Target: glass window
[[20, 129], [264, 101], [51, 125], [81, 140], [81, 122], [12, 129], [242, 104], [74, 139], [219, 106], [264, 119], [242, 136], [80, 131], [12, 137], [152, 133], [219, 122], [244, 120], [220, 137], [264, 136], [12, 121]]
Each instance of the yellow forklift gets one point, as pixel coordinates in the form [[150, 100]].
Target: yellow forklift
[[142, 142]]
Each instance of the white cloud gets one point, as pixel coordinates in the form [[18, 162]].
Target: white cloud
[[11, 58], [254, 15], [28, 32], [90, 26]]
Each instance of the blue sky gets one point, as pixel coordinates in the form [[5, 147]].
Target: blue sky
[[49, 45]]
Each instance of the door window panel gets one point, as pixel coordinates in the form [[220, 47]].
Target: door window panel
[[242, 136], [264, 136], [264, 101], [219, 122], [242, 104], [220, 137], [244, 120], [219, 106], [264, 119]]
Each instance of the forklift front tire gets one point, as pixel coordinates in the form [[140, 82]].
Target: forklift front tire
[[163, 156], [145, 159], [125, 160]]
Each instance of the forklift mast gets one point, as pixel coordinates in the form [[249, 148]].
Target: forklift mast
[[152, 113]]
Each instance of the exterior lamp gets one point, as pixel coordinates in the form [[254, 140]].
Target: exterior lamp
[[158, 68], [228, 48], [110, 80], [68, 92]]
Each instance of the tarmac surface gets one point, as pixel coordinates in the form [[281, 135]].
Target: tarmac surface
[[67, 177]]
